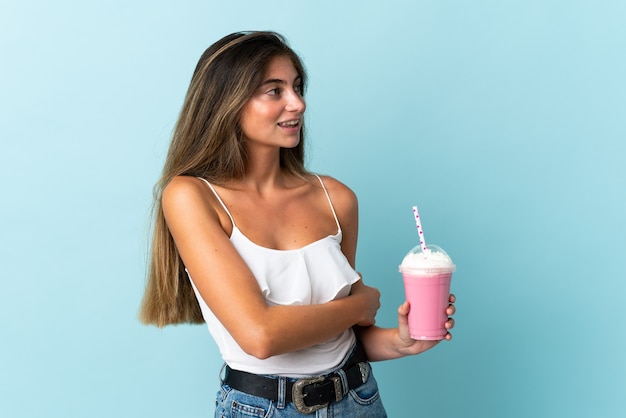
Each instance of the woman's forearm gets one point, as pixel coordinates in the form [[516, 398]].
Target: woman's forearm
[[282, 329]]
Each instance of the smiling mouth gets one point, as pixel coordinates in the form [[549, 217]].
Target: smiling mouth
[[289, 123]]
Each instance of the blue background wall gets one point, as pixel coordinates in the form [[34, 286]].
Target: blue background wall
[[503, 121]]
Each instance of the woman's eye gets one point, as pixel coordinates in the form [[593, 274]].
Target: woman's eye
[[274, 92]]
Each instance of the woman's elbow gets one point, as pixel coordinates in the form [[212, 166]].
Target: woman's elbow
[[259, 344]]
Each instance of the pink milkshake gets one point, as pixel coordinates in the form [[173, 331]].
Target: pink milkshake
[[427, 274]]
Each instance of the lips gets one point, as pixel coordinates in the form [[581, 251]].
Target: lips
[[289, 123]]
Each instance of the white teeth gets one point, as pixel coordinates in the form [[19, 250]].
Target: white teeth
[[289, 123]]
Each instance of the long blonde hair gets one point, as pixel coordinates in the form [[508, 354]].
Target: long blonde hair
[[207, 142]]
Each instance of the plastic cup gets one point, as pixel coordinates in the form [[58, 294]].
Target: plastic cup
[[427, 276]]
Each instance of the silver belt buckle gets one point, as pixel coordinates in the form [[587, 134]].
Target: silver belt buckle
[[297, 394]]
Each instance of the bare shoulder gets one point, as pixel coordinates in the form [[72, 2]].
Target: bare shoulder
[[344, 199], [181, 189], [184, 194], [346, 206]]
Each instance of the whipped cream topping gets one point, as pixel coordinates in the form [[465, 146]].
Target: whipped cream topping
[[431, 260]]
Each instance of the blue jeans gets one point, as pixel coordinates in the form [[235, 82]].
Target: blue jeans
[[362, 402]]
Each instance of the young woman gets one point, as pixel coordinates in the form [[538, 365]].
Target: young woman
[[263, 251]]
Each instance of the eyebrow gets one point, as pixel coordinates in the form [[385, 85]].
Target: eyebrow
[[279, 81]]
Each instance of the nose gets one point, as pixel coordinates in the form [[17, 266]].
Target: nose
[[295, 102]]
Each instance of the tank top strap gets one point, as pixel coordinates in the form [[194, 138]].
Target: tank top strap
[[219, 199], [332, 208]]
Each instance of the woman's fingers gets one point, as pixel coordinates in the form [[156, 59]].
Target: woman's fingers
[[449, 323]]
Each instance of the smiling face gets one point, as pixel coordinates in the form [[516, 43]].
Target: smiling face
[[274, 114]]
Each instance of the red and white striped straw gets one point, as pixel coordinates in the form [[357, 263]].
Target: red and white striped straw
[[418, 223]]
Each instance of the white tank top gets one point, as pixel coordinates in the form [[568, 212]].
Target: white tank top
[[316, 273]]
